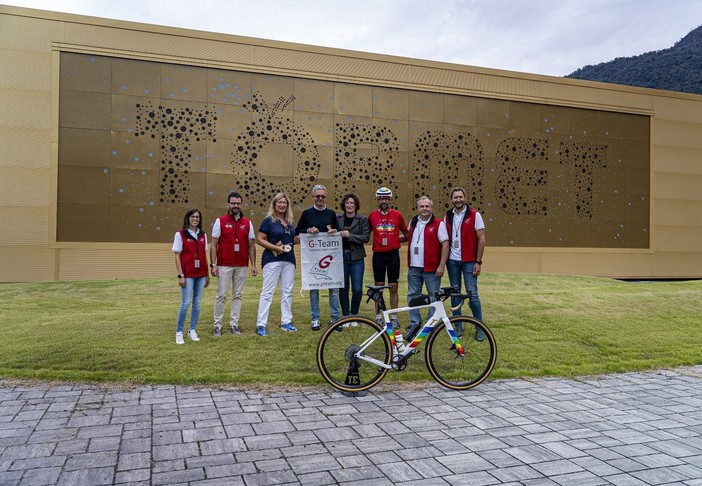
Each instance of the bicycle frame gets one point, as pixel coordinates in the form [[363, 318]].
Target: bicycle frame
[[404, 351]]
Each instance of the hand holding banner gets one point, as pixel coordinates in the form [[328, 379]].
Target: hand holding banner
[[322, 261]]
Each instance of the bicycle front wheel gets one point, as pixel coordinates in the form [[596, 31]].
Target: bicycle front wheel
[[448, 366], [336, 353]]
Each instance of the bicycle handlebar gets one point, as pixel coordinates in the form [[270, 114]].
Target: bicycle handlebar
[[376, 293]]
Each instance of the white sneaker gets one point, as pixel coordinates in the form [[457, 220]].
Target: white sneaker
[[179, 338], [193, 335]]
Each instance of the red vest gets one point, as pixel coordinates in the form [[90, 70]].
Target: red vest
[[193, 250], [233, 232], [469, 239], [432, 245]]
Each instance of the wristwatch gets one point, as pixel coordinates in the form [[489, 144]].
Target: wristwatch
[[479, 262], [180, 275]]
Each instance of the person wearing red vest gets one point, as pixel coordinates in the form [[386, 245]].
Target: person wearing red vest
[[190, 248], [231, 251], [427, 252], [467, 232]]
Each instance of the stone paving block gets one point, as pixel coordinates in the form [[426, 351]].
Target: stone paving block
[[400, 472], [210, 460], [129, 446], [167, 465], [271, 477], [133, 477], [89, 460], [274, 427], [270, 441], [449, 446], [240, 430], [516, 473], [557, 468], [138, 460], [38, 462], [41, 476], [99, 431], [626, 465], [333, 434], [10, 477], [357, 474], [316, 479], [173, 477], [167, 437], [464, 463], [341, 449], [262, 455], [175, 451], [222, 446], [12, 453], [75, 446], [376, 444], [482, 443], [565, 450], [499, 458], [94, 476], [208, 433], [100, 444], [580, 478], [303, 437], [532, 454], [272, 465], [316, 463], [230, 470]]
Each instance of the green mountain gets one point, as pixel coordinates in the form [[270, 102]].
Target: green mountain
[[678, 68]]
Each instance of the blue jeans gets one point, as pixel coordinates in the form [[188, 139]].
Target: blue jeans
[[192, 292], [333, 304], [415, 278], [455, 268], [353, 271]]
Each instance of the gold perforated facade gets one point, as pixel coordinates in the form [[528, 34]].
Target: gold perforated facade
[[113, 130]]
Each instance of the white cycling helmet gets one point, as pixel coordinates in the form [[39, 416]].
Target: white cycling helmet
[[383, 192]]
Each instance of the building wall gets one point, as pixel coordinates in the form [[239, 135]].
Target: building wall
[[86, 203]]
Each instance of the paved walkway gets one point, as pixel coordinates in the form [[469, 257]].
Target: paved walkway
[[628, 429]]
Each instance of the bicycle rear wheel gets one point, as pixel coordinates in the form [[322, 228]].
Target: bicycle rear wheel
[[336, 354], [445, 363]]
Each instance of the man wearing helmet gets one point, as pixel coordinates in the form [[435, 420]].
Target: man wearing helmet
[[387, 224]]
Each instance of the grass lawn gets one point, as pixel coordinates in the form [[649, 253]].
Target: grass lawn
[[545, 325]]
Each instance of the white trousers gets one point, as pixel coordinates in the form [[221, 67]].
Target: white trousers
[[272, 273]]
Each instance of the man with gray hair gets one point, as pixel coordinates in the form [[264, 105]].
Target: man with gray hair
[[320, 219], [427, 252]]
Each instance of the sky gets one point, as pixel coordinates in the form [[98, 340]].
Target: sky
[[551, 37]]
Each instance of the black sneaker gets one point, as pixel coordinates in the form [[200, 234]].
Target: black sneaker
[[217, 331], [315, 325]]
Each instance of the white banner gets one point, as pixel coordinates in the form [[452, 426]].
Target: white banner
[[322, 261]]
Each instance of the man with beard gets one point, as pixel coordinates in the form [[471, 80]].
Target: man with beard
[[467, 234], [231, 251], [387, 225]]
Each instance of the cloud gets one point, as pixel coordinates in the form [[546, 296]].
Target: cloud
[[535, 36]]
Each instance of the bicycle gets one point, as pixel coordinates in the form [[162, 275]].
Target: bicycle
[[355, 353]]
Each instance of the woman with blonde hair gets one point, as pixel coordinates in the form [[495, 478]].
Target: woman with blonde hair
[[277, 236]]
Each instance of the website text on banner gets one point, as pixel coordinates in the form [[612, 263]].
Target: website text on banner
[[322, 261]]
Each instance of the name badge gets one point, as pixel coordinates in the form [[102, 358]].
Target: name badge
[[385, 242], [455, 243], [416, 250], [236, 246], [197, 263]]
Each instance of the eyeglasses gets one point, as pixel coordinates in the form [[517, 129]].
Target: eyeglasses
[[320, 196], [195, 216]]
